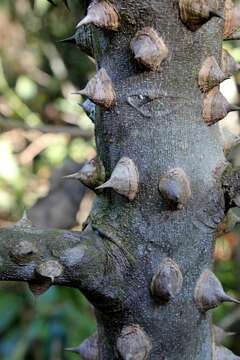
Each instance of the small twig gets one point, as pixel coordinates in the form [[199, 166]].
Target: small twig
[[73, 131], [36, 147]]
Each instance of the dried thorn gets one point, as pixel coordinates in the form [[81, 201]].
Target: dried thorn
[[102, 14], [74, 350], [133, 343], [92, 174], [194, 13], [81, 39], [100, 90], [24, 222], [50, 269], [167, 282], [216, 107], [209, 292], [124, 179], [74, 176], [69, 40], [88, 349], [174, 186], [233, 107], [149, 48], [210, 74]]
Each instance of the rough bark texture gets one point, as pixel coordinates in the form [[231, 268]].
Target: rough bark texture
[[171, 134], [158, 123]]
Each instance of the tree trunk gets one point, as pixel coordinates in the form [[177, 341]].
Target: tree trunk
[[145, 264]]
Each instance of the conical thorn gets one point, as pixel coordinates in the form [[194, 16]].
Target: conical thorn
[[74, 176], [102, 14], [88, 349], [74, 350], [209, 292], [124, 179], [107, 184], [228, 298], [50, 269], [24, 221], [86, 20], [81, 92], [76, 92], [69, 40], [234, 108]]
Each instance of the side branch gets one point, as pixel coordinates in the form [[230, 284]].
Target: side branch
[[49, 257], [89, 261]]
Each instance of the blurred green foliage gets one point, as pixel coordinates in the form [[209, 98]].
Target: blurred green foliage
[[37, 79], [40, 328]]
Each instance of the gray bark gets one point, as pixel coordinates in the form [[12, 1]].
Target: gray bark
[[114, 263], [173, 136]]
